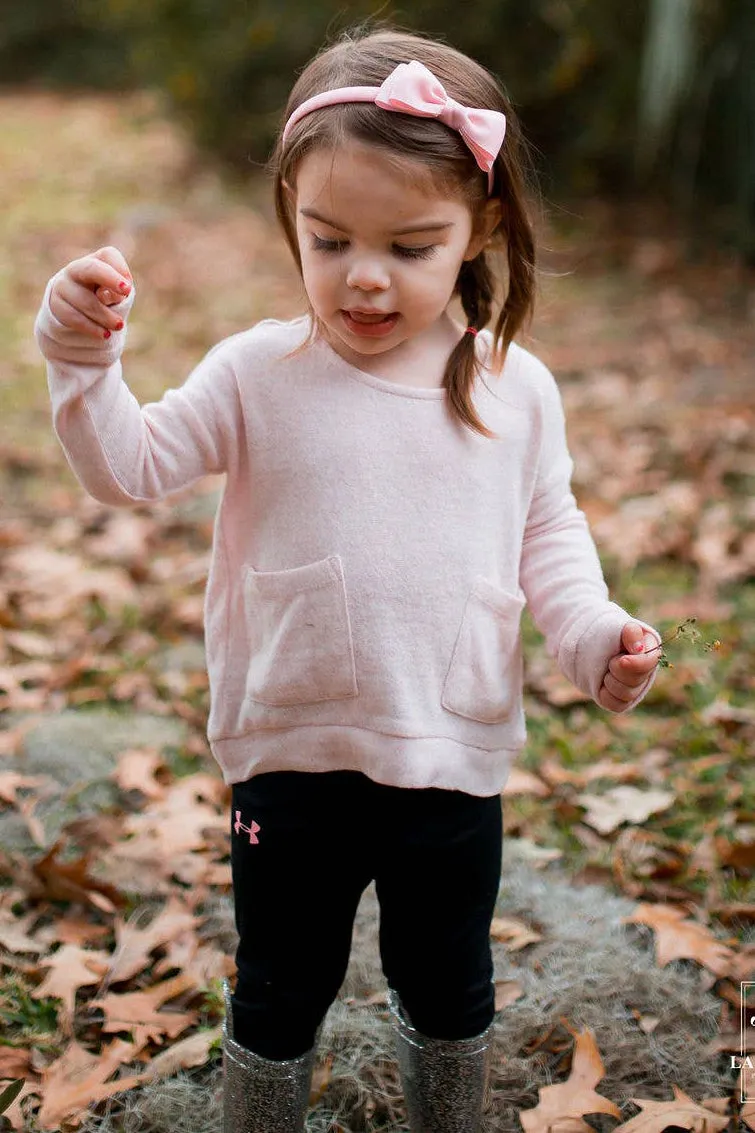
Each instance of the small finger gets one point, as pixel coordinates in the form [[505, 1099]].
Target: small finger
[[113, 256], [630, 672], [609, 701], [643, 663], [75, 319], [92, 273], [617, 689], [81, 299]]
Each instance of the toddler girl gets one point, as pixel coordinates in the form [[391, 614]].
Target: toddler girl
[[397, 489]]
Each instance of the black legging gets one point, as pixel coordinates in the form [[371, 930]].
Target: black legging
[[304, 846]]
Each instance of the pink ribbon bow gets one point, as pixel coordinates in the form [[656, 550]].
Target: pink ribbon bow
[[411, 88]]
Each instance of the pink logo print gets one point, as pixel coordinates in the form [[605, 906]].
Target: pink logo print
[[251, 830]]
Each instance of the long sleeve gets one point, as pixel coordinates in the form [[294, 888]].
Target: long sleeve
[[560, 570], [123, 453]]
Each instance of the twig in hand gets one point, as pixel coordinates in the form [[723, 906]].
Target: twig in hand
[[688, 629]]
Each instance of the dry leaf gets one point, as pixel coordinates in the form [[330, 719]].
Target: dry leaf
[[521, 782], [680, 939], [137, 1011], [71, 881], [514, 933], [623, 804], [320, 1079], [738, 852], [70, 967], [135, 771], [564, 1104], [682, 1111], [78, 1079], [507, 992], [14, 936], [193, 1051], [134, 944], [10, 781]]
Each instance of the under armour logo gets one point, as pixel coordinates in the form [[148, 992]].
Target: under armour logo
[[250, 830]]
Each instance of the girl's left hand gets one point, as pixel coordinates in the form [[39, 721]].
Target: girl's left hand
[[628, 670]]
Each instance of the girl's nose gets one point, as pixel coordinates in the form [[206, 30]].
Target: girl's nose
[[368, 274]]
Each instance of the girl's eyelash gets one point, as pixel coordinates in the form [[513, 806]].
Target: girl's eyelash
[[424, 253]]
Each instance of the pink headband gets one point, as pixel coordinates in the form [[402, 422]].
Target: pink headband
[[413, 89]]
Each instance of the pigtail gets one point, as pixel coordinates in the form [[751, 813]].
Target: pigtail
[[520, 298], [476, 288]]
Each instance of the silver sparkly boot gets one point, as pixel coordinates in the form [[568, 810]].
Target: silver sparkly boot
[[263, 1095], [445, 1082]]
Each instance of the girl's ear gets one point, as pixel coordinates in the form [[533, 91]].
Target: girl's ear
[[485, 225]]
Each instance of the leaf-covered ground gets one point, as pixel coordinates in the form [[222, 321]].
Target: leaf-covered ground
[[106, 814]]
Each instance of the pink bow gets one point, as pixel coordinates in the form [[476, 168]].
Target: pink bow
[[413, 89]]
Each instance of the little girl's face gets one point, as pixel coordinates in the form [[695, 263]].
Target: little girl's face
[[380, 256]]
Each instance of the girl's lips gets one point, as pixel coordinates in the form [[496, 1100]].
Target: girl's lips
[[370, 329]]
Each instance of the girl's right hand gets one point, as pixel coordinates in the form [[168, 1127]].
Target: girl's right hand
[[85, 289]]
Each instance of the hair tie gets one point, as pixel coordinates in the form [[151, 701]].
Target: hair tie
[[411, 88], [471, 330]]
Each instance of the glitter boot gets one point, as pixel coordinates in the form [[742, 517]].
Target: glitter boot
[[445, 1082], [262, 1095]]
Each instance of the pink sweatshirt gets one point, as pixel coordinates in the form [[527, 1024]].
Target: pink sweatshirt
[[371, 557]]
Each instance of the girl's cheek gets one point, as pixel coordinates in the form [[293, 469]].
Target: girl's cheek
[[323, 279]]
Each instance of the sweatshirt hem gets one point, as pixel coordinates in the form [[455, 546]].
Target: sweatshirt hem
[[421, 761]]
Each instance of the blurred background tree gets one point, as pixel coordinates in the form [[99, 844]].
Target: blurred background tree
[[60, 45], [696, 113], [656, 96]]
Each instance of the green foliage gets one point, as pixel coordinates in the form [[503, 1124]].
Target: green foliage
[[228, 66], [22, 1014], [697, 130], [10, 1093], [61, 45], [657, 94], [724, 168]]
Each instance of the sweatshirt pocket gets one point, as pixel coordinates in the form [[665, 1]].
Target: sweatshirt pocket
[[302, 650], [484, 677]]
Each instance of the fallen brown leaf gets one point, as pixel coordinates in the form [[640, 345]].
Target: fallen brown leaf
[[565, 1104]]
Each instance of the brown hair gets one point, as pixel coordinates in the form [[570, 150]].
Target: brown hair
[[364, 57]]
